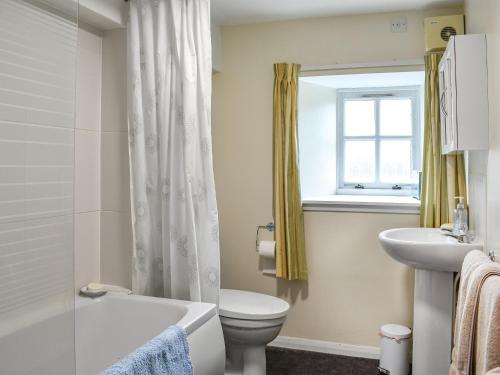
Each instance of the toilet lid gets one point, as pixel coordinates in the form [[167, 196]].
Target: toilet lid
[[241, 304]]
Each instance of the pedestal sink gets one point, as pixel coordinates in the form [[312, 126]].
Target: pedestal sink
[[435, 257]]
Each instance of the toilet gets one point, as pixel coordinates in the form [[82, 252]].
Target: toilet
[[249, 321]]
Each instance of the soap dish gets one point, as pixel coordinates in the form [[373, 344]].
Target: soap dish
[[92, 293]]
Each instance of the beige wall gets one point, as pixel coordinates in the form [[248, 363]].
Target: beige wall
[[483, 16], [354, 287]]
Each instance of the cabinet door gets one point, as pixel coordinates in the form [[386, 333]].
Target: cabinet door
[[463, 87], [451, 97], [446, 98], [445, 115], [442, 110]]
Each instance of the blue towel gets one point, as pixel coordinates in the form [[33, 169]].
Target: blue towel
[[166, 354]]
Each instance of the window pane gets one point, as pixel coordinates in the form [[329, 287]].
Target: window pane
[[359, 161], [395, 162], [359, 117], [395, 117]]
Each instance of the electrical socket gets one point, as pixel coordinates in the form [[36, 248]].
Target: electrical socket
[[399, 24]]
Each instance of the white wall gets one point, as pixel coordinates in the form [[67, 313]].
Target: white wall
[[37, 193], [216, 48], [37, 133], [116, 230], [354, 287], [103, 244], [103, 15], [87, 159], [483, 16], [317, 135]]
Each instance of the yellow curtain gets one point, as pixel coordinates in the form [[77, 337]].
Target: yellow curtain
[[287, 203], [443, 176]]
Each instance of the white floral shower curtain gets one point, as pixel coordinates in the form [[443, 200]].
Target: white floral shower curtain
[[174, 210]]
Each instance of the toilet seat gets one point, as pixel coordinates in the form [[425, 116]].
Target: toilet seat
[[240, 304]]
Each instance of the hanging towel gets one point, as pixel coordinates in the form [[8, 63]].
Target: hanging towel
[[476, 269], [166, 354], [487, 351]]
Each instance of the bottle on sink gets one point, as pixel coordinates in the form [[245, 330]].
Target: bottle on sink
[[460, 218]]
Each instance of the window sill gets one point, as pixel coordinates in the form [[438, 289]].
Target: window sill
[[363, 203]]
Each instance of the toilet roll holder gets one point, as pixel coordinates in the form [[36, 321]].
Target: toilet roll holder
[[269, 227]]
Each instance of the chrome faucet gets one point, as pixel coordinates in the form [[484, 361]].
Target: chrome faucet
[[461, 238]]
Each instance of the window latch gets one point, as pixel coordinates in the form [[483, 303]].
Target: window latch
[[359, 186], [396, 187]]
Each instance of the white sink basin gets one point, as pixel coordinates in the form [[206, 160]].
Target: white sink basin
[[426, 248], [435, 257]]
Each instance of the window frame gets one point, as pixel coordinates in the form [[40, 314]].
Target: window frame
[[413, 93]]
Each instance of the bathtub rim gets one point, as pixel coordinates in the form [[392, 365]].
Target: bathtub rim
[[196, 313]]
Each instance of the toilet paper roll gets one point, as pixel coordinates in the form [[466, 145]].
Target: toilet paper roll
[[266, 249]]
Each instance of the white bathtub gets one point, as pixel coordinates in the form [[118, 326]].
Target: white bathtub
[[107, 329], [110, 327]]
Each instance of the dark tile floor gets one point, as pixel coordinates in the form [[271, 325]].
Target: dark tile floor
[[298, 362]]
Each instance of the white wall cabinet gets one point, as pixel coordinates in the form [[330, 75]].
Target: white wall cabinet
[[463, 92]]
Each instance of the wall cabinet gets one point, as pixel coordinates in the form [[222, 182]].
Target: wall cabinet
[[463, 93]]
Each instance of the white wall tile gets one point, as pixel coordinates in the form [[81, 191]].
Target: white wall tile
[[114, 81], [36, 262], [115, 180], [116, 248], [89, 81], [116, 235], [477, 164], [87, 181], [87, 159], [87, 248], [89, 41]]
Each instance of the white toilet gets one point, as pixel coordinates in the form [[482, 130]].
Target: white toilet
[[249, 322]]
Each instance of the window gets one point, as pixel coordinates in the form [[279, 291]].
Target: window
[[360, 139], [378, 140]]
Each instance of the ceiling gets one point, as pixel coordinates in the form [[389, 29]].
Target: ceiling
[[233, 12]]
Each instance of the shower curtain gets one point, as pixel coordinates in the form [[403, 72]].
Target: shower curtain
[[174, 210]]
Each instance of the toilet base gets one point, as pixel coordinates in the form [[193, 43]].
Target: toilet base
[[248, 360], [246, 342]]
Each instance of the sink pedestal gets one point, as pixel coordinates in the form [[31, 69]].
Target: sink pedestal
[[435, 258], [432, 322]]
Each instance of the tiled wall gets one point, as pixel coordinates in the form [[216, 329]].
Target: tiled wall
[[87, 161], [103, 240], [116, 237], [477, 164], [37, 65]]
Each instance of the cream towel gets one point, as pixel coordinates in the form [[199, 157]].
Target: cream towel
[[487, 347], [476, 269]]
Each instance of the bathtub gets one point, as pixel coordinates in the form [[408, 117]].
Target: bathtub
[[106, 329], [110, 327]]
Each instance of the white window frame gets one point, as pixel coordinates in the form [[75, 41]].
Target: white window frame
[[378, 188]]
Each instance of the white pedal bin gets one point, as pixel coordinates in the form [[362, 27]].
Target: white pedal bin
[[394, 349]]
